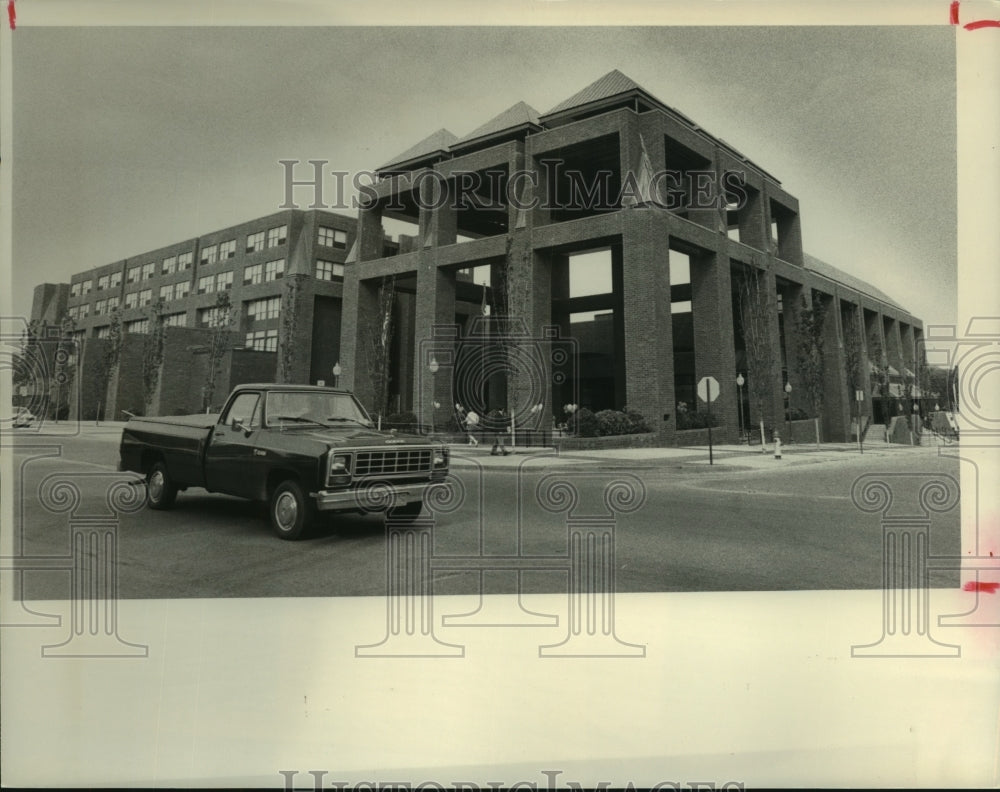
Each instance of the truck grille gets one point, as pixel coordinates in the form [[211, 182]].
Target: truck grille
[[398, 461]]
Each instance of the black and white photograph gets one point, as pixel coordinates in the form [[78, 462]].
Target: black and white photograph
[[555, 399]]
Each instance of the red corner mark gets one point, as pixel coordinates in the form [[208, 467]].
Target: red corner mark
[[975, 585], [953, 19], [11, 14]]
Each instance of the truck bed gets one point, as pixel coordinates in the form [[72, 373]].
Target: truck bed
[[179, 439]]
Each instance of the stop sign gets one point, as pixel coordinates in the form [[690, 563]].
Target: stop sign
[[708, 389]]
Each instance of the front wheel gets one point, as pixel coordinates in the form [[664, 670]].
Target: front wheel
[[290, 511], [407, 513], [161, 492]]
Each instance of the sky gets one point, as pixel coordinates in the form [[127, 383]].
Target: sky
[[128, 139]]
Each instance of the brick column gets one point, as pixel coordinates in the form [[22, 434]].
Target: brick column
[[438, 216], [836, 408], [359, 304], [434, 316], [370, 234], [648, 331], [714, 345]]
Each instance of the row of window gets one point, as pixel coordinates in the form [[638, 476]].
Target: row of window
[[263, 273], [211, 283], [263, 340], [273, 237]]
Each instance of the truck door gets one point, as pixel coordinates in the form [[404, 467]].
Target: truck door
[[230, 466]]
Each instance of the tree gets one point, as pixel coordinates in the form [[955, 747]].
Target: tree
[[756, 310], [854, 362], [152, 353], [221, 323], [809, 355], [880, 370], [65, 365], [109, 360], [290, 326], [26, 362], [511, 322], [379, 334]]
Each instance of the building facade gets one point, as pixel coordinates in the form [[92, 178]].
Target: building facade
[[616, 225]]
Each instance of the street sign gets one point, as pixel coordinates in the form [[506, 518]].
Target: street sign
[[708, 389]]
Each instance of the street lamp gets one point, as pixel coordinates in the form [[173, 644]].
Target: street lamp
[[740, 382], [788, 396], [336, 374], [433, 368]]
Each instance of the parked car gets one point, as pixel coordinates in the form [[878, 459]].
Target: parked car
[[301, 449]]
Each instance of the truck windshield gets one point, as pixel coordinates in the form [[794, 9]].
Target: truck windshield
[[310, 408]]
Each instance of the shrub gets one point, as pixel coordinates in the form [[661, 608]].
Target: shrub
[[405, 421], [612, 422], [583, 423], [637, 424], [695, 420], [796, 414]]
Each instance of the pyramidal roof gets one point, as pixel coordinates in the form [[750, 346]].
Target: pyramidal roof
[[520, 114], [611, 84], [437, 142]]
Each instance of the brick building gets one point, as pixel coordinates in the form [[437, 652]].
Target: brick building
[[626, 227], [282, 273]]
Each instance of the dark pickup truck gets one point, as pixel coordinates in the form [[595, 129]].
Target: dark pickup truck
[[301, 449]]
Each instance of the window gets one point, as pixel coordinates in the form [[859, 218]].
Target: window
[[115, 280], [243, 410], [263, 340], [100, 307], [102, 283], [277, 236], [131, 300], [259, 310], [148, 270], [74, 290], [273, 270], [136, 326], [254, 274], [184, 260], [255, 242], [181, 290], [145, 297], [113, 304], [74, 313], [104, 332], [227, 249], [210, 254], [175, 320], [331, 237], [206, 284], [210, 317], [84, 310], [88, 286], [328, 270], [133, 274], [224, 280], [167, 293], [170, 265]]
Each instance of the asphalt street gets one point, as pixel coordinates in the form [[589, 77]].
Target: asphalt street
[[698, 528]]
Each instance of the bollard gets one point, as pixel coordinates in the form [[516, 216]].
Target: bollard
[[777, 446]]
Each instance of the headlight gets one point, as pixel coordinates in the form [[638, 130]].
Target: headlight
[[441, 458], [339, 472]]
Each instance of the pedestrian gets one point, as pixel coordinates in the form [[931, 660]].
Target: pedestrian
[[471, 422], [501, 425]]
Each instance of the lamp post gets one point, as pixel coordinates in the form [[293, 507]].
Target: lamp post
[[433, 368], [788, 396], [336, 374], [740, 382]]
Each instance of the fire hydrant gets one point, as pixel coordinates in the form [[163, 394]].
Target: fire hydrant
[[777, 446]]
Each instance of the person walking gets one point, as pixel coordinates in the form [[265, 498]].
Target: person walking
[[501, 424], [471, 422]]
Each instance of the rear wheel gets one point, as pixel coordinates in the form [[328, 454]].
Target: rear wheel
[[161, 492], [406, 513], [290, 510]]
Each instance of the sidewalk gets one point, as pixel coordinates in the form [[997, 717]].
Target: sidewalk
[[724, 455]]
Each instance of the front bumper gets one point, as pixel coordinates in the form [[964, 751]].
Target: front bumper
[[363, 500]]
